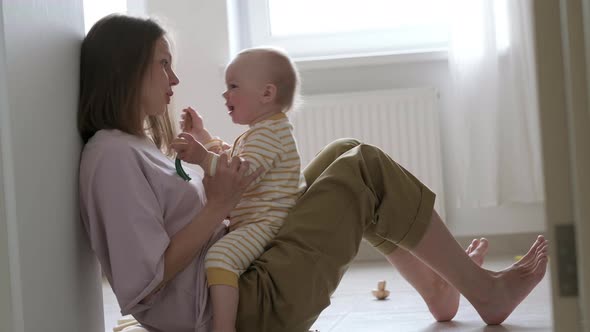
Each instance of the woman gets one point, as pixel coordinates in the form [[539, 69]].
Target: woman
[[150, 229]]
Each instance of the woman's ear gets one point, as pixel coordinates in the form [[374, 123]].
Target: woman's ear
[[269, 93]]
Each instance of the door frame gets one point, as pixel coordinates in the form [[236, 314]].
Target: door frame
[[7, 305], [562, 77]]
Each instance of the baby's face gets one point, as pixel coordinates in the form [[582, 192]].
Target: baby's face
[[243, 97]]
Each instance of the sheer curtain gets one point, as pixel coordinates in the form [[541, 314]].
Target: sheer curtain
[[494, 118]]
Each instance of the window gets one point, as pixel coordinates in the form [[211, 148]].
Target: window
[[327, 28]]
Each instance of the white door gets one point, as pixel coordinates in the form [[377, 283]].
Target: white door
[[565, 129]]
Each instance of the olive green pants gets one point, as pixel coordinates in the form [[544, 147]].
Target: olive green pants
[[354, 191]]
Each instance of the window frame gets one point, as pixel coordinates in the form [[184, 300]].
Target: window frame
[[255, 31]]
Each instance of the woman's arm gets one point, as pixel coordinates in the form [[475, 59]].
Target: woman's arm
[[187, 242], [224, 191]]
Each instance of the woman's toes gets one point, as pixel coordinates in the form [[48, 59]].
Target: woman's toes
[[472, 246]]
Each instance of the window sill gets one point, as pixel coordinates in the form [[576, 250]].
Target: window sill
[[372, 59]]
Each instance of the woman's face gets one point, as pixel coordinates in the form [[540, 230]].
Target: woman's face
[[158, 81]]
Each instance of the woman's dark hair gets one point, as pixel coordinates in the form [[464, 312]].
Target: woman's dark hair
[[114, 60]]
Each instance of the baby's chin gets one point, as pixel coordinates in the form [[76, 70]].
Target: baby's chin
[[237, 121]]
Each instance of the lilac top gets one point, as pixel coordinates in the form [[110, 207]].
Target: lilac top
[[132, 202]]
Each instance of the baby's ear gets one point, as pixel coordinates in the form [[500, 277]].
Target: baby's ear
[[269, 93]]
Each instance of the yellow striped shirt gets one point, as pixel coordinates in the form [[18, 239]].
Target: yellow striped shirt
[[269, 144]]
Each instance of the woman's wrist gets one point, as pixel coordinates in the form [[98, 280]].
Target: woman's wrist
[[217, 208]]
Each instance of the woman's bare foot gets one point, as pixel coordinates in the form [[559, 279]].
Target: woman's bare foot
[[478, 250], [512, 285], [443, 302]]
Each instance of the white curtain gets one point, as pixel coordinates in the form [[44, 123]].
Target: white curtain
[[494, 117]]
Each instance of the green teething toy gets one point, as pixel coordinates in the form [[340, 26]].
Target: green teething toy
[[181, 171]]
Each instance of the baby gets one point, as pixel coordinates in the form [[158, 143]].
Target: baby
[[262, 84]]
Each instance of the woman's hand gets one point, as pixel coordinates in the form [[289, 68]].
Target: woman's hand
[[188, 149], [192, 122], [225, 189]]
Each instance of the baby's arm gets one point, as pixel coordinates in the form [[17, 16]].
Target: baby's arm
[[192, 122], [262, 148], [189, 150], [217, 145]]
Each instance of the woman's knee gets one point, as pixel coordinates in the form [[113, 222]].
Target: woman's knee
[[341, 145], [372, 150], [327, 156], [338, 147]]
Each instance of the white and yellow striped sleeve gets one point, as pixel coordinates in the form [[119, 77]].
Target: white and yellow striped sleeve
[[209, 165], [217, 145], [261, 148]]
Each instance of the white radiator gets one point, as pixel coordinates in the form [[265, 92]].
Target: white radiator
[[404, 123]]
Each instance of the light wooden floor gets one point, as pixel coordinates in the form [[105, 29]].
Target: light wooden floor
[[353, 308]]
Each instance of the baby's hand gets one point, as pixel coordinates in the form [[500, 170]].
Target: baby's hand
[[191, 121], [188, 149]]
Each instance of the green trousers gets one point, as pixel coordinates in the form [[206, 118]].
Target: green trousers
[[355, 191]]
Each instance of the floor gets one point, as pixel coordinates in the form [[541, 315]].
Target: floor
[[354, 309]]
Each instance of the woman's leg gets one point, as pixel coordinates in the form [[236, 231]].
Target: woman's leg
[[350, 187], [441, 298], [493, 294], [291, 283]]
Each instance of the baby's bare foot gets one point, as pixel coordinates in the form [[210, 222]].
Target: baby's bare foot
[[513, 284]]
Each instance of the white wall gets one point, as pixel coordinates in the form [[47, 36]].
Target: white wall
[[201, 51], [47, 267], [136, 7], [201, 29]]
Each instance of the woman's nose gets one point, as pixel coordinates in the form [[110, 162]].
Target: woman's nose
[[174, 79]]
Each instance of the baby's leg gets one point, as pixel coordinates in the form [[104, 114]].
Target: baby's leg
[[225, 262], [224, 299]]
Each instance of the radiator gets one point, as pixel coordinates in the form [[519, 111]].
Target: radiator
[[404, 123]]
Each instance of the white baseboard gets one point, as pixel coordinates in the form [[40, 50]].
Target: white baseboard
[[508, 219], [500, 245]]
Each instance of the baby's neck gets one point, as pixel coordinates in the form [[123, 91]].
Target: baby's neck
[[266, 115]]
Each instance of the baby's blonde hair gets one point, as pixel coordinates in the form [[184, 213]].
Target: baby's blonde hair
[[282, 72]]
